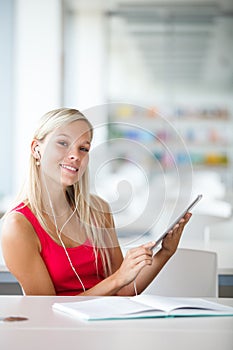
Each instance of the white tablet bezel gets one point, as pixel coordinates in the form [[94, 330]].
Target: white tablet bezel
[[196, 200]]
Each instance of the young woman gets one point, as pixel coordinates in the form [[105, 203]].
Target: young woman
[[59, 239]]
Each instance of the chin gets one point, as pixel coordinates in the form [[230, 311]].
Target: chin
[[70, 182], [66, 183]]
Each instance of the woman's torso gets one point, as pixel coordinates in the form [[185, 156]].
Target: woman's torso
[[87, 264]]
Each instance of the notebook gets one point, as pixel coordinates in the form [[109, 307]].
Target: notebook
[[141, 306]]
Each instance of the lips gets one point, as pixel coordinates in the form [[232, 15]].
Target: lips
[[69, 167]]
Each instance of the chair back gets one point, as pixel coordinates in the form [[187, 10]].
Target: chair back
[[189, 273]]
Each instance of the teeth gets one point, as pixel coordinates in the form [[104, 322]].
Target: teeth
[[69, 167]]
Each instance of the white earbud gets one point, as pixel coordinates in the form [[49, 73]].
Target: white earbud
[[37, 148]]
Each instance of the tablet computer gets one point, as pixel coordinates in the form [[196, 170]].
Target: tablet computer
[[191, 205]]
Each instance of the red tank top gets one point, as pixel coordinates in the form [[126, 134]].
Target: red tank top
[[83, 259]]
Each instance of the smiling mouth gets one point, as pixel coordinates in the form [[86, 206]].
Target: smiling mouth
[[68, 167]]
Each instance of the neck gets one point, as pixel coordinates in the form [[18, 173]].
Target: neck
[[54, 200]]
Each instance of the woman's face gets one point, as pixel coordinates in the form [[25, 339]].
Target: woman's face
[[64, 153]]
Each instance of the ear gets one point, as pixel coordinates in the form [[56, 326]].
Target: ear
[[35, 149]]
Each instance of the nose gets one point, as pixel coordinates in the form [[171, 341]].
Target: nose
[[74, 155]]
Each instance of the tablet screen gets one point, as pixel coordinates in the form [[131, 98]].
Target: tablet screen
[[190, 206]]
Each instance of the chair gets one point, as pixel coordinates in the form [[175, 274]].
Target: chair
[[189, 273]]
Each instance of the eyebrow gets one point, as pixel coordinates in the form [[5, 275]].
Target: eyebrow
[[65, 135]]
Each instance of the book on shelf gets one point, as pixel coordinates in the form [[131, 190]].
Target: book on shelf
[[141, 306]]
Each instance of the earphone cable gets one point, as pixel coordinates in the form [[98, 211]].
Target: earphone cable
[[135, 287], [59, 235]]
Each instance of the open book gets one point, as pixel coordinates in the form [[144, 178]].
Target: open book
[[141, 306]]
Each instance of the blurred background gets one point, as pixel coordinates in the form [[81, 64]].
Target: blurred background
[[156, 74]]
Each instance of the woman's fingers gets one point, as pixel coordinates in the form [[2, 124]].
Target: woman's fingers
[[181, 224], [141, 250], [135, 260], [172, 239], [149, 245], [140, 256], [146, 258]]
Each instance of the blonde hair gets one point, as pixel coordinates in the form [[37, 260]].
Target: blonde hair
[[92, 211]]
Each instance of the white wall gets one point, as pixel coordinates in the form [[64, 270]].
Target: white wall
[[37, 71], [6, 93], [85, 54]]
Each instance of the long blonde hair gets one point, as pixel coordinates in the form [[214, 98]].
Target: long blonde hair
[[91, 209]]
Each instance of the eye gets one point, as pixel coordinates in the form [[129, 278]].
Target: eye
[[84, 149], [63, 143]]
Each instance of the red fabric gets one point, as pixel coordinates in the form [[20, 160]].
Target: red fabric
[[83, 259]]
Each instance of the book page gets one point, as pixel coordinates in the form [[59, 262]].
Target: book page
[[105, 307], [169, 304], [141, 306]]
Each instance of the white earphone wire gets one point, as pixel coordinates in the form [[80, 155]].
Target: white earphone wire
[[59, 235], [135, 287]]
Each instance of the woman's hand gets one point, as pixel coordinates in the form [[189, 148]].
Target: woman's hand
[[135, 260], [171, 241]]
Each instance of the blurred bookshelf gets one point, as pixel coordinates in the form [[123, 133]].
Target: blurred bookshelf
[[176, 136]]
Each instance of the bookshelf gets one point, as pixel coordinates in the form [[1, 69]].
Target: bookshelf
[[202, 137]]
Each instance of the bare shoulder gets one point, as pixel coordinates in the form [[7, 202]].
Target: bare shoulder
[[21, 252], [16, 228]]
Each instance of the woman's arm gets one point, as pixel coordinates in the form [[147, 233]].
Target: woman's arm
[[139, 265], [125, 271], [169, 247], [21, 251]]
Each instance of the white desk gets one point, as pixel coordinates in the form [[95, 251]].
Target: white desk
[[48, 329]]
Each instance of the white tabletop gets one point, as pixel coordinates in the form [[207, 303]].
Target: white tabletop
[[48, 329]]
